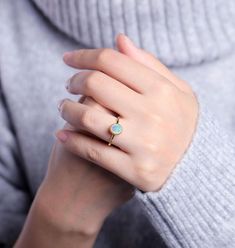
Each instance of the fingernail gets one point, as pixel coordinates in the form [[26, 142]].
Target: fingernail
[[67, 83], [62, 136], [59, 105], [67, 56], [119, 34]]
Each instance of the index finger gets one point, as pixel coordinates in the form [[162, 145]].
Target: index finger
[[117, 65]]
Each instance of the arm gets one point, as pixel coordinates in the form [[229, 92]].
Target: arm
[[196, 206], [46, 226], [72, 202], [191, 205], [13, 186], [15, 201]]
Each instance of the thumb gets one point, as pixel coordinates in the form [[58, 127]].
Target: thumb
[[127, 47]]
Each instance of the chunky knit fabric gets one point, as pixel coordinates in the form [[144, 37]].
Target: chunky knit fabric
[[179, 32], [196, 206]]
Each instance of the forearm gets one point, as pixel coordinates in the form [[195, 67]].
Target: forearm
[[38, 234], [46, 228], [71, 204]]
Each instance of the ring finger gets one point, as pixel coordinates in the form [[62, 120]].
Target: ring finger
[[96, 122]]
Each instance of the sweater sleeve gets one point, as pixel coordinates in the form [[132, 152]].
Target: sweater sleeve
[[14, 196], [196, 206]]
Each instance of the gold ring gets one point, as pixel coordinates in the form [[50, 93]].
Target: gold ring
[[115, 129]]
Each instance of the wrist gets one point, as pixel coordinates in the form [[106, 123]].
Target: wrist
[[42, 229], [57, 212]]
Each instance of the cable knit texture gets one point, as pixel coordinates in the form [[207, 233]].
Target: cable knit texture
[[179, 32], [196, 206]]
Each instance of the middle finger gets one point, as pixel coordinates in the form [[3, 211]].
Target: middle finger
[[106, 91]]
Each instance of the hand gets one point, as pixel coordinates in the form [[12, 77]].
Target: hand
[[73, 200], [81, 193], [157, 110]]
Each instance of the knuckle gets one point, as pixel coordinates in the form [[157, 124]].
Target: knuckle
[[94, 80], [93, 76], [89, 83], [87, 119], [145, 168], [93, 154], [150, 146], [146, 175]]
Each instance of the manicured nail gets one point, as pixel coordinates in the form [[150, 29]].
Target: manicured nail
[[119, 34], [67, 56], [59, 105], [67, 83], [62, 136]]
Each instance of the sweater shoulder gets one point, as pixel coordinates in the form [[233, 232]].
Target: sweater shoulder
[[32, 80]]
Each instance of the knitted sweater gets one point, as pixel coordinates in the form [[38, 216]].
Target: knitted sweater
[[196, 206]]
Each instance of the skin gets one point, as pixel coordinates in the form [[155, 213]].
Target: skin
[[73, 200], [157, 110], [86, 178]]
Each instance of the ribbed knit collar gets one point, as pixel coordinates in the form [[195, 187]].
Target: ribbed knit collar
[[179, 32]]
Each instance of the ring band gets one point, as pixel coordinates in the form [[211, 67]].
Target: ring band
[[115, 129]]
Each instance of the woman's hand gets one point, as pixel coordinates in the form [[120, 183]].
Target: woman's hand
[[73, 200], [158, 112], [87, 191]]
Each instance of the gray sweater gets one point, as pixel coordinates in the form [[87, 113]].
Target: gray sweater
[[196, 38]]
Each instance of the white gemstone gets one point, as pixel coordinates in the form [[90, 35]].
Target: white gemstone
[[116, 128]]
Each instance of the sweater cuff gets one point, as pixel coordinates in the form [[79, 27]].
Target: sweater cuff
[[197, 201]]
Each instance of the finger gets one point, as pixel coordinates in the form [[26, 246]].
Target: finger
[[127, 47], [116, 65], [89, 101], [98, 152], [67, 126], [86, 118], [86, 100], [106, 91]]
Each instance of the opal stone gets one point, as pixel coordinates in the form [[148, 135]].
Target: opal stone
[[116, 128]]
